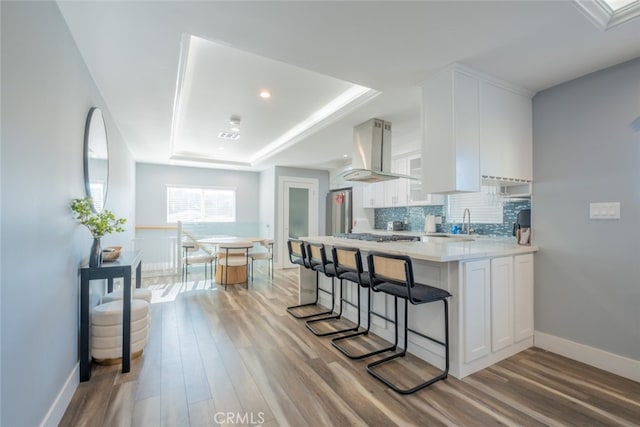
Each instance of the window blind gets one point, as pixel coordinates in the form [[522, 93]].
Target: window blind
[[485, 208], [201, 204]]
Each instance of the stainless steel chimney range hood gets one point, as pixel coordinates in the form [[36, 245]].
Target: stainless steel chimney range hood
[[371, 160]]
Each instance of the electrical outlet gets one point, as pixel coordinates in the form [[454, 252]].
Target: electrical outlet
[[607, 210]]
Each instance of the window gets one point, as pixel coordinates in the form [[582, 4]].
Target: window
[[485, 207], [201, 204]]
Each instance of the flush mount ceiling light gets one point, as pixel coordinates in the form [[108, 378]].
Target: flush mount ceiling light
[[265, 93], [234, 120]]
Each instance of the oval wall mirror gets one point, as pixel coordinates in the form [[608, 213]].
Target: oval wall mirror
[[96, 159]]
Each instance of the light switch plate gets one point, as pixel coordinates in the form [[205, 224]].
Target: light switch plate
[[606, 210]]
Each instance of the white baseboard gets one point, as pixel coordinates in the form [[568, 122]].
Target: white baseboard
[[610, 362], [59, 405]]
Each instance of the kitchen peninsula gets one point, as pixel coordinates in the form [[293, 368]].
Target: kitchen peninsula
[[491, 308]]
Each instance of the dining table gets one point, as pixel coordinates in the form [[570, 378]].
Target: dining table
[[233, 246]]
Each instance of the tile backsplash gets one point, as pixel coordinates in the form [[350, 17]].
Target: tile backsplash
[[415, 216]]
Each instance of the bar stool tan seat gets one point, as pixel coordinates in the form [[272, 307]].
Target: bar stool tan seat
[[393, 275], [319, 262], [349, 262], [298, 255]]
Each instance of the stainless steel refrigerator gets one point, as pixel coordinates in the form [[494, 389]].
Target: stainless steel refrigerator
[[339, 211]]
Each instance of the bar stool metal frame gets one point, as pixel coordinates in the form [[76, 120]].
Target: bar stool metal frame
[[349, 261], [298, 255], [395, 277], [317, 255]]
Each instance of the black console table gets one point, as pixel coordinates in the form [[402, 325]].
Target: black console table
[[122, 267]]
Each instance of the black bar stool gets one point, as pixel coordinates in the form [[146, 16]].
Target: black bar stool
[[317, 256], [298, 255], [349, 262], [393, 275]]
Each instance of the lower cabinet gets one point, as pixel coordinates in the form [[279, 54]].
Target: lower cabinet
[[523, 296], [497, 305], [476, 306], [501, 303]]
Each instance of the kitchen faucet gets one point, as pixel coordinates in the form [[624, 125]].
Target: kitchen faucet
[[464, 215]]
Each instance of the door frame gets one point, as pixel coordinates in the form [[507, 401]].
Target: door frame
[[284, 183]]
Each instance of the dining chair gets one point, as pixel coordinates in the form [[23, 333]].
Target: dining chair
[[234, 257], [262, 255], [193, 253]]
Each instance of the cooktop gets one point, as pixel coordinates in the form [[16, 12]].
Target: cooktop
[[378, 237]]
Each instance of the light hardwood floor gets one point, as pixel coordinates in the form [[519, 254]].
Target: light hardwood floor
[[238, 358]]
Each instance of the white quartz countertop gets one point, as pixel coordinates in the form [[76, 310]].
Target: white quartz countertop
[[438, 251]]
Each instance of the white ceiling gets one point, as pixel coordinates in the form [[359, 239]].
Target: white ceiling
[[307, 53]]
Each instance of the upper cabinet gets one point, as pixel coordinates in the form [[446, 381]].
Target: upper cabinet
[[400, 192], [473, 125], [395, 191], [417, 197], [505, 132], [450, 133]]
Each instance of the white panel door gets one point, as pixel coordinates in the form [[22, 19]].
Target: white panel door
[[501, 303], [298, 212], [476, 309], [523, 283]]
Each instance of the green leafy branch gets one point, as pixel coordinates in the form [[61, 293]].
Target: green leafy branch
[[100, 223]]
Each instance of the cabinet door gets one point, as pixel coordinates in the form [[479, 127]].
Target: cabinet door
[[373, 195], [476, 309], [501, 303], [395, 191], [415, 196], [450, 150], [505, 133], [523, 284]]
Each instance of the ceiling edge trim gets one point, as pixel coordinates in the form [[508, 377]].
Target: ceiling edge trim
[[297, 135]]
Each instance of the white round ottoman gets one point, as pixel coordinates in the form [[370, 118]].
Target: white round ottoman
[[106, 330], [136, 293]]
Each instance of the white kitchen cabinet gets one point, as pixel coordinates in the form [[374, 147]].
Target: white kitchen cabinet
[[506, 136], [496, 309], [416, 196], [501, 303], [474, 125], [523, 296], [373, 195], [450, 131], [476, 309], [395, 190]]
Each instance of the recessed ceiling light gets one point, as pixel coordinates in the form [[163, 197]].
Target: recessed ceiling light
[[345, 155], [235, 128], [264, 93], [220, 148]]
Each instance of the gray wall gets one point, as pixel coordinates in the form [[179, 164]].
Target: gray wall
[[46, 95], [587, 273], [152, 181]]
